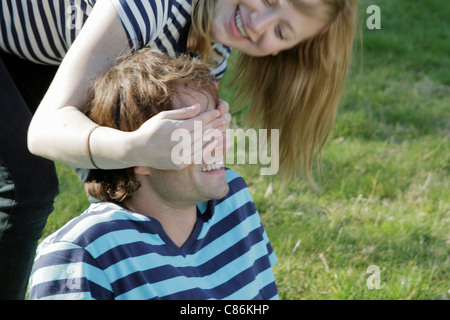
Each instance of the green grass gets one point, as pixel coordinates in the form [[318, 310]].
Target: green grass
[[384, 176]]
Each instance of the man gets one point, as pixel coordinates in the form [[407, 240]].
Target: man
[[188, 234]]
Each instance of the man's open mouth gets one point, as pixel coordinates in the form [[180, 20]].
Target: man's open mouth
[[214, 166]]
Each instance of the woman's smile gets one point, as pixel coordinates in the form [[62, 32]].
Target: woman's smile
[[237, 25]]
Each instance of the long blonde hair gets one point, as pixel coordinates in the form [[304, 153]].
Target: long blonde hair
[[200, 32], [299, 90]]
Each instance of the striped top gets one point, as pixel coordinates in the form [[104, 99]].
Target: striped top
[[42, 31], [111, 253]]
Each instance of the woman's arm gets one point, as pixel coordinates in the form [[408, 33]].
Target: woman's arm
[[59, 131]]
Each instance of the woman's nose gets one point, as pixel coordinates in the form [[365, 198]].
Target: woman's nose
[[259, 22]]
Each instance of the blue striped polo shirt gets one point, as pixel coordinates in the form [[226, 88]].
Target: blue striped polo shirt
[[42, 31], [109, 252]]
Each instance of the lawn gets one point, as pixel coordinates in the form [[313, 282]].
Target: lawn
[[384, 174]]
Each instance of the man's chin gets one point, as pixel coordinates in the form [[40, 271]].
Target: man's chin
[[222, 193], [217, 193]]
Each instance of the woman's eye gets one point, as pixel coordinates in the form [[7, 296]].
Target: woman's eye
[[280, 33], [278, 30]]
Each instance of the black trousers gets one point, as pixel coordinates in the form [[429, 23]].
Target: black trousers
[[28, 184]]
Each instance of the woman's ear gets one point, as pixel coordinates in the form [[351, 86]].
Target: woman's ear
[[143, 171]]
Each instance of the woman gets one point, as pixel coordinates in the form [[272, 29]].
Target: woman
[[294, 60]]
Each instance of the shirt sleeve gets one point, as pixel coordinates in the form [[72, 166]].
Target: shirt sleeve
[[272, 256], [143, 20], [65, 271], [223, 53]]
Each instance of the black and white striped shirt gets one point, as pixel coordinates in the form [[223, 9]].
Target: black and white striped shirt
[[42, 31]]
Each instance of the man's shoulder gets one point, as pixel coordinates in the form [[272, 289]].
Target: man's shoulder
[[235, 180], [97, 219], [238, 194]]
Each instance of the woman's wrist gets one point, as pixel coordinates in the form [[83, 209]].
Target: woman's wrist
[[88, 147], [110, 148]]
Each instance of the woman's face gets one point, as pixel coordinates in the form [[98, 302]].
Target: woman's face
[[262, 27]]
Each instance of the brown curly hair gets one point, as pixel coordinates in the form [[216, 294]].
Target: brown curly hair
[[136, 88]]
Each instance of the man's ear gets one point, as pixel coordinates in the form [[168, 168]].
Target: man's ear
[[143, 171]]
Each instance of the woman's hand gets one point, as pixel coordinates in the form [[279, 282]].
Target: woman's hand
[[152, 144], [224, 109]]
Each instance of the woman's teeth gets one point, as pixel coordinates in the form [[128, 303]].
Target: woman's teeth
[[239, 24], [215, 166]]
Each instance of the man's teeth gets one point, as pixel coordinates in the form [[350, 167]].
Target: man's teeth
[[215, 166], [239, 24]]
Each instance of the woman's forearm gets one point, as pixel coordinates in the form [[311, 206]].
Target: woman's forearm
[[62, 136]]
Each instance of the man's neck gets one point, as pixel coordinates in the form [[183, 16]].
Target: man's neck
[[177, 220]]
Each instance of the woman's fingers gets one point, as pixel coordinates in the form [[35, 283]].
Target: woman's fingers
[[181, 114], [209, 119], [223, 106]]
